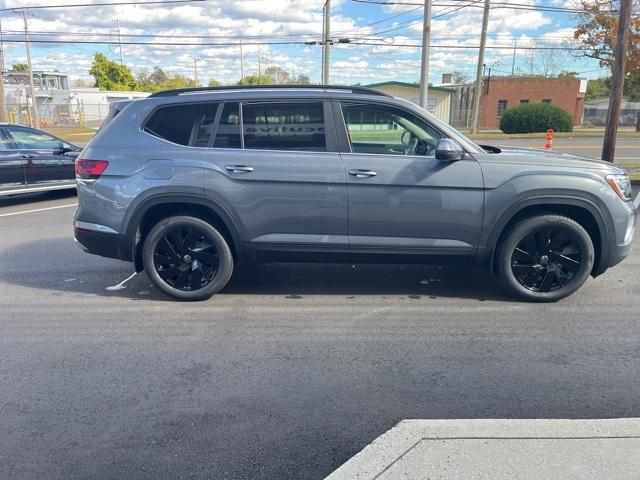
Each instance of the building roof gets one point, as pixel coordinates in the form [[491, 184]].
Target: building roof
[[410, 85]]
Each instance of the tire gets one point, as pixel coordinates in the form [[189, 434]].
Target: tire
[[545, 258], [182, 251]]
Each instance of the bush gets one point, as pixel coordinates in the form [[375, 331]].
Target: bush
[[535, 117]]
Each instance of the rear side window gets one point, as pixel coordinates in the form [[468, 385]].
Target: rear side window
[[284, 126], [184, 124], [228, 132]]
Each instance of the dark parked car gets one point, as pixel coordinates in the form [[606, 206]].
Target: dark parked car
[[188, 183], [34, 161]]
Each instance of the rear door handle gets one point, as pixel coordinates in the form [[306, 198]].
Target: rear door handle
[[362, 173], [239, 168]]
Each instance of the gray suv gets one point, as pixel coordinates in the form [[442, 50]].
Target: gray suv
[[189, 183]]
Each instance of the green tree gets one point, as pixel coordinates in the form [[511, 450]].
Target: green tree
[[256, 80], [19, 67], [459, 78], [158, 77], [278, 74], [303, 80], [568, 74], [110, 75], [214, 83], [599, 88]]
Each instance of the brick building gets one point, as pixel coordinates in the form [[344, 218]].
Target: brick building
[[501, 93]]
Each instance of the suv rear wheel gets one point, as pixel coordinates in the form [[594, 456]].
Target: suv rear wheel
[[545, 258], [187, 258]]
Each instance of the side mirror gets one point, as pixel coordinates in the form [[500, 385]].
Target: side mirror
[[448, 150], [62, 149]]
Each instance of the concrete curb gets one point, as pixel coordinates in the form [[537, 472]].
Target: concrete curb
[[497, 449]]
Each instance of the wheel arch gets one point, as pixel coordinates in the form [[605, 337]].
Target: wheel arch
[[155, 208], [584, 211]]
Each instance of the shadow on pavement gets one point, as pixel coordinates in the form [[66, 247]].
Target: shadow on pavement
[[58, 265]]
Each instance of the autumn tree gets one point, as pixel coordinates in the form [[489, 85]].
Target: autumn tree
[[596, 37]]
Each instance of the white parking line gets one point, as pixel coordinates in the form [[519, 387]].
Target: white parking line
[[37, 210]]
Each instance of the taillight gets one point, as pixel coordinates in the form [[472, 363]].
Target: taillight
[[90, 169]]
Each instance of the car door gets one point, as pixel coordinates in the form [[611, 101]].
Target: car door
[[45, 159], [401, 198], [275, 166], [12, 171]]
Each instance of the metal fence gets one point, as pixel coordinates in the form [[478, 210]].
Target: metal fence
[[77, 114]]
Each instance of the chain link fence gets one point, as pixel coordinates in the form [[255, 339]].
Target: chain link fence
[[51, 115]]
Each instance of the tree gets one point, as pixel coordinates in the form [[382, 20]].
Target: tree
[[214, 83], [546, 59], [568, 74], [19, 67], [596, 33], [110, 75], [256, 80], [302, 80], [158, 76], [459, 78], [80, 83], [599, 88], [279, 75], [596, 36]]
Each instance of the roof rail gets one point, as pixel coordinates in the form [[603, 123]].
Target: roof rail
[[178, 91]]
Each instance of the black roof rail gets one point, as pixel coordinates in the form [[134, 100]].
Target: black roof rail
[[178, 91]]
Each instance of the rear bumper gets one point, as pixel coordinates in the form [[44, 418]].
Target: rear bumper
[[111, 245]]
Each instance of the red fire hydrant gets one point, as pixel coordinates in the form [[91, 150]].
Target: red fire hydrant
[[548, 144]]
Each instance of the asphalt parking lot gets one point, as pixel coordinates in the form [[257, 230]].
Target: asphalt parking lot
[[288, 372]]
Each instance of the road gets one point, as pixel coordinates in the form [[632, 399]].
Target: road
[[627, 149], [289, 371]]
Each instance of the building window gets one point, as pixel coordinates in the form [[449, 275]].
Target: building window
[[522, 102], [502, 106], [546, 100]]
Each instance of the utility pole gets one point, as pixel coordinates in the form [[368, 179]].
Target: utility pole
[[3, 107], [483, 44], [326, 42], [241, 64], [617, 81], [259, 63], [424, 66], [195, 70], [120, 42], [513, 62], [33, 117]]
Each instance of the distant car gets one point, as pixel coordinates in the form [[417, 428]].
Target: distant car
[[34, 161], [187, 183]]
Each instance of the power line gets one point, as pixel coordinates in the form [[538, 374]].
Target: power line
[[503, 5], [151, 2]]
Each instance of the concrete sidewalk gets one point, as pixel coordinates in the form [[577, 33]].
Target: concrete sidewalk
[[500, 449]]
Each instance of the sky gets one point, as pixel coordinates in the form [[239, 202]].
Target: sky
[[275, 31]]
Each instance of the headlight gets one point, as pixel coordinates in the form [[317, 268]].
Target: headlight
[[621, 185]]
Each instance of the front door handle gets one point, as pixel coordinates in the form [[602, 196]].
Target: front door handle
[[26, 155], [239, 168], [362, 173]]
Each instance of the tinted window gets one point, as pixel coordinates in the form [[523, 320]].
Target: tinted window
[[188, 124], [6, 143], [228, 132], [502, 106], [388, 131], [29, 139], [284, 126]]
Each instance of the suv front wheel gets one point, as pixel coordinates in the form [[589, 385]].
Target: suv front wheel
[[545, 258], [187, 258]]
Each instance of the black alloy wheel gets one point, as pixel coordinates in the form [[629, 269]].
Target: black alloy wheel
[[186, 258], [547, 259]]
